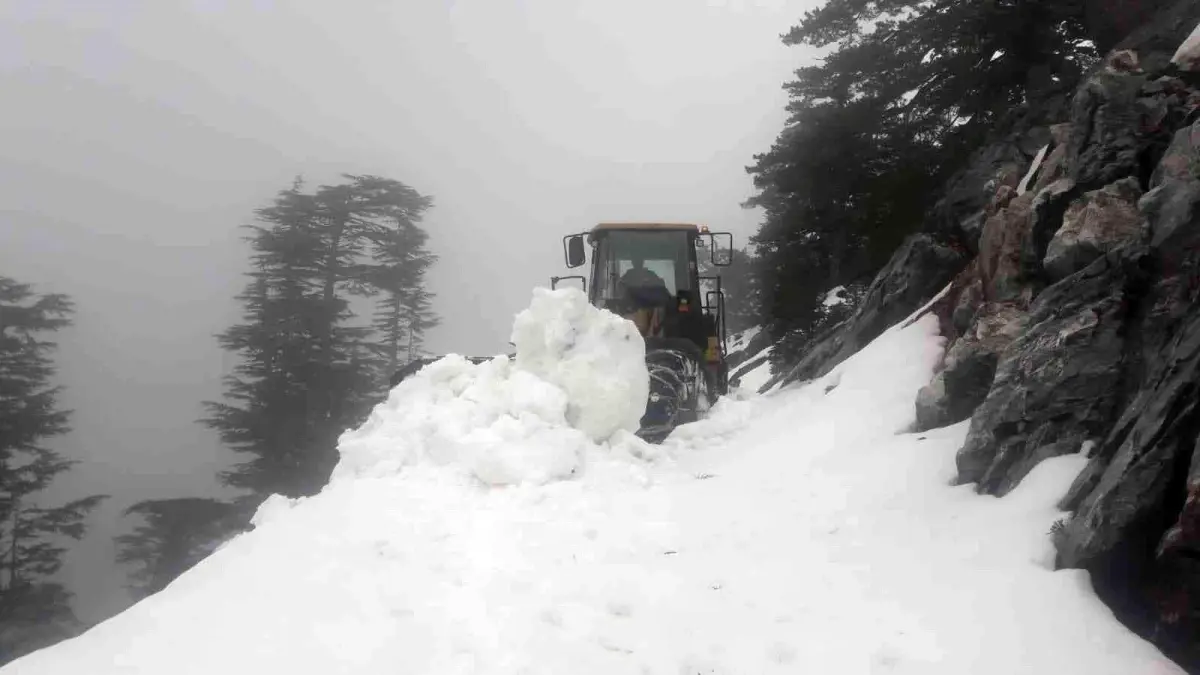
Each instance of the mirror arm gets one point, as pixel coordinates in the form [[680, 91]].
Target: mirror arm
[[554, 281]]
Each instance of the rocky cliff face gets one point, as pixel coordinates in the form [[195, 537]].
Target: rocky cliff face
[[1069, 256]]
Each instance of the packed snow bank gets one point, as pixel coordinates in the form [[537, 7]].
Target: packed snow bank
[[803, 532], [597, 358], [579, 378]]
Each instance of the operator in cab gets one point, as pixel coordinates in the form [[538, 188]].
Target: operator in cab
[[647, 295]]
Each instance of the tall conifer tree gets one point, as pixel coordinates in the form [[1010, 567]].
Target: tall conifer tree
[[905, 91], [310, 367], [35, 609]]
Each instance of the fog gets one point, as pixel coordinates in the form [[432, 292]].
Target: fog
[[136, 137]]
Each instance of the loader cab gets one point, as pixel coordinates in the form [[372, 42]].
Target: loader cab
[[641, 268], [650, 273]]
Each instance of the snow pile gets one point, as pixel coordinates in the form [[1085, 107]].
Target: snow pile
[[802, 532], [1187, 56], [579, 378], [597, 358]]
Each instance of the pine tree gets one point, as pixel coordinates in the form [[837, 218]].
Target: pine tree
[[738, 283], [174, 535], [272, 342], [34, 609], [309, 369], [741, 290], [400, 262], [906, 91]]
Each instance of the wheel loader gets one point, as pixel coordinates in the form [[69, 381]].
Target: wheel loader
[[650, 273]]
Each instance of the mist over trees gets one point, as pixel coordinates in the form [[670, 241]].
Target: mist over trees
[[904, 93], [35, 609], [310, 368], [313, 356], [175, 534], [738, 283]]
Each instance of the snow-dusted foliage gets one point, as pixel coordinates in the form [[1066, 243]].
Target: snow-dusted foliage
[[833, 307]]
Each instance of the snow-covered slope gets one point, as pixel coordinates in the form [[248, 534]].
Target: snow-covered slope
[[485, 521]]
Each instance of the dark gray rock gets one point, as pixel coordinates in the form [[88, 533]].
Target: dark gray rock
[[1123, 121], [920, 268], [1056, 386], [1054, 166], [971, 228], [1046, 214], [1111, 21], [1131, 529], [1172, 206], [1173, 210], [966, 304], [1128, 477], [960, 212], [1137, 524], [1181, 161], [969, 367], [1110, 358], [1097, 222], [1107, 133], [819, 358], [1178, 561], [1000, 247], [1153, 35]]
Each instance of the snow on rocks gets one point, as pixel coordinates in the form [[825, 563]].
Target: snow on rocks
[[750, 381], [1023, 186], [802, 532], [834, 297], [742, 340], [1187, 57]]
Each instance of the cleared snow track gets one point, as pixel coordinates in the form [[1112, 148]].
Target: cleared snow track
[[501, 518]]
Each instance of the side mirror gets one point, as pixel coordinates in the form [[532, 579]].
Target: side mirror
[[721, 250], [573, 250]]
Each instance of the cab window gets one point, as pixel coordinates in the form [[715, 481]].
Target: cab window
[[663, 253]]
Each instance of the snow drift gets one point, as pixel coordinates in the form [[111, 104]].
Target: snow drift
[[579, 378], [501, 519]]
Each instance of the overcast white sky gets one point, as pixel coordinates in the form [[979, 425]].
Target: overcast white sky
[[136, 136]]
